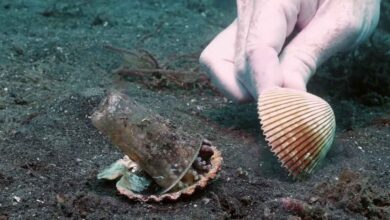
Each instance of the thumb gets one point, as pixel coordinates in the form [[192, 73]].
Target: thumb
[[297, 68]]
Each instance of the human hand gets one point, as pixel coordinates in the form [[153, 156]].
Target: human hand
[[251, 55]]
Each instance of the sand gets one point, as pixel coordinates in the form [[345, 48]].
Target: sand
[[54, 71]]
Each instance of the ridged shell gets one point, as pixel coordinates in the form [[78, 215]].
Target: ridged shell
[[216, 163], [298, 126]]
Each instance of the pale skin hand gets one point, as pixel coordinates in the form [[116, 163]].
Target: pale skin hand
[[249, 56]]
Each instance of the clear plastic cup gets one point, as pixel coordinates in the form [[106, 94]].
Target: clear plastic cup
[[161, 150]]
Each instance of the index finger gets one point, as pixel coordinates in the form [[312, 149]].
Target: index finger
[[263, 26]]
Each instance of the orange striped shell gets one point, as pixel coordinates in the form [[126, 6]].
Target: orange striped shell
[[298, 126]]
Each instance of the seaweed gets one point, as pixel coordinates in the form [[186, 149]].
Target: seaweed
[[143, 66]]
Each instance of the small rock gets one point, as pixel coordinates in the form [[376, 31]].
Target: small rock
[[206, 201], [241, 172], [17, 198], [246, 200]]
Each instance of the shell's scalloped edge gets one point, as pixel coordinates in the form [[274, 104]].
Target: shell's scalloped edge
[[304, 173], [216, 164], [265, 134]]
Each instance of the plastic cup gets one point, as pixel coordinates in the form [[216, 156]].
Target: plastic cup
[[163, 151]]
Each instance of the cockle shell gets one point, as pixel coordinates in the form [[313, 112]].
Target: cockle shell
[[298, 126]]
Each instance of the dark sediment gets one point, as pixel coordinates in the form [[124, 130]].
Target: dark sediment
[[54, 71]]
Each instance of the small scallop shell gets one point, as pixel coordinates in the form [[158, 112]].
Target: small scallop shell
[[204, 179], [298, 126]]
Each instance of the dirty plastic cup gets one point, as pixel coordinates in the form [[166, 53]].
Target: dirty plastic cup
[[158, 147]]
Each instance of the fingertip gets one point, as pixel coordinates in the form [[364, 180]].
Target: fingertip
[[296, 82]]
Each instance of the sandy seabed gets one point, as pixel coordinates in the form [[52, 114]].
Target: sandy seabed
[[54, 70]]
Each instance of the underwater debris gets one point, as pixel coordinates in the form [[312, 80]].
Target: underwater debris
[[64, 10], [143, 65], [302, 209], [382, 121], [351, 192], [170, 162], [298, 126], [354, 193]]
